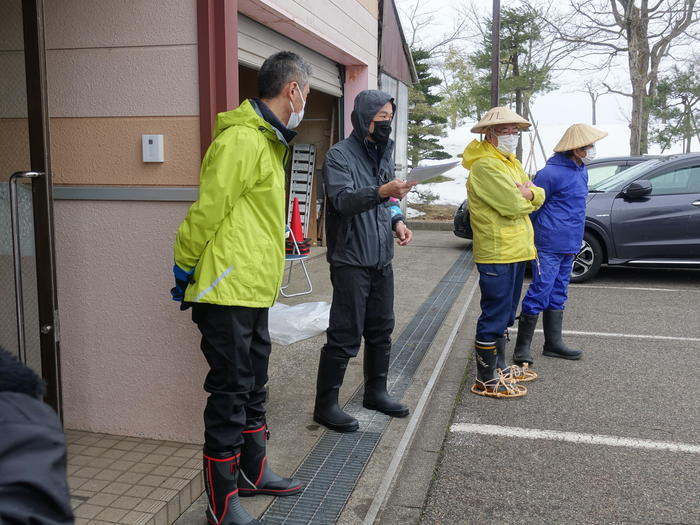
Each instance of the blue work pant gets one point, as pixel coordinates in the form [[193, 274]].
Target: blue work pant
[[501, 286], [550, 283]]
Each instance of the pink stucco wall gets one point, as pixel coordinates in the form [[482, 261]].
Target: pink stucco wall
[[131, 360], [356, 80]]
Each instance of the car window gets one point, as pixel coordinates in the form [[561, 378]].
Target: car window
[[598, 174], [685, 180], [628, 174]]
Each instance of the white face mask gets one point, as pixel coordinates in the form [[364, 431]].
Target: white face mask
[[508, 143], [590, 155], [296, 117]]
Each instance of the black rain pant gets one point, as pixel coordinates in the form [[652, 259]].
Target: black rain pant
[[236, 344], [363, 306]]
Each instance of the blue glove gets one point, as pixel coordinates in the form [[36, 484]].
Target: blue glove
[[182, 279]]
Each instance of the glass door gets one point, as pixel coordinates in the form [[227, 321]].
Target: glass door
[[29, 309]]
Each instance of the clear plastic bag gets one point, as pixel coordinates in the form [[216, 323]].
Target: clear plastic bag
[[289, 324]]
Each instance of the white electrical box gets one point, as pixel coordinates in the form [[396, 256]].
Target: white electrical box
[[152, 146]]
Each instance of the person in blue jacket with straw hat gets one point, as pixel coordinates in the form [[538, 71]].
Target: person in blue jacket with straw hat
[[558, 225]]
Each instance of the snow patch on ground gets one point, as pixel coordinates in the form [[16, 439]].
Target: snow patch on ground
[[412, 214]]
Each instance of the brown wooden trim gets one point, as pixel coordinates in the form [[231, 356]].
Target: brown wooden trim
[[217, 35]]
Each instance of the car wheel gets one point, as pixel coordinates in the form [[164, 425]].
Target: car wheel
[[588, 260]]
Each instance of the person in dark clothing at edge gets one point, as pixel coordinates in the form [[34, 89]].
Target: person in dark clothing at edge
[[359, 179], [33, 482], [229, 258], [558, 226]]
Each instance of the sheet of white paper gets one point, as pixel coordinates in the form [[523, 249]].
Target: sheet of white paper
[[421, 173]]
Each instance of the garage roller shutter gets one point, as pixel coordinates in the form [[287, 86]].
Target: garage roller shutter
[[257, 42]]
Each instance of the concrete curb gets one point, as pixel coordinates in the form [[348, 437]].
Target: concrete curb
[[430, 225]]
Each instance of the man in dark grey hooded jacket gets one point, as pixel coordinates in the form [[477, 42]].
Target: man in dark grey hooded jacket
[[359, 181]]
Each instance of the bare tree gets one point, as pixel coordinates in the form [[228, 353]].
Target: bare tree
[[419, 20], [646, 34], [595, 92]]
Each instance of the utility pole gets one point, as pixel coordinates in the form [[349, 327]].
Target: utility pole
[[495, 51]]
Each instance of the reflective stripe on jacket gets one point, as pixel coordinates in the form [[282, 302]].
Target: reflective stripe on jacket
[[234, 233], [560, 221], [498, 212]]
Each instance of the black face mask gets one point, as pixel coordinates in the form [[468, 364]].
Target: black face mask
[[382, 130]]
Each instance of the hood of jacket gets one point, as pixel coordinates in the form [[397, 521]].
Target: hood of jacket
[[479, 149], [367, 104], [243, 115]]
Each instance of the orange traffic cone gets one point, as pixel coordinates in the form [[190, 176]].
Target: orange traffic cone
[[296, 222], [302, 245]]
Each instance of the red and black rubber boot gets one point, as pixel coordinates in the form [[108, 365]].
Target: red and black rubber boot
[[221, 472], [257, 476]]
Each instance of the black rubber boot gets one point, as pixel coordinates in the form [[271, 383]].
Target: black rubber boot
[[331, 371], [553, 344], [376, 368], [221, 470], [526, 329], [486, 361], [256, 475], [501, 353]]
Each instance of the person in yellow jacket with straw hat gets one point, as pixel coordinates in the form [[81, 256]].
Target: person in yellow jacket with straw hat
[[559, 225], [229, 257], [500, 199]]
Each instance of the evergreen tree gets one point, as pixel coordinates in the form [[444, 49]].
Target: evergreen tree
[[675, 109], [457, 102], [526, 62], [425, 122]]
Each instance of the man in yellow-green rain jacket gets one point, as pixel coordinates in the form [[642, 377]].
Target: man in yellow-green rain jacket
[[500, 198], [229, 258]]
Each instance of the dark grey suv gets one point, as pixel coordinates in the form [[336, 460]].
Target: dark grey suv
[[647, 215]]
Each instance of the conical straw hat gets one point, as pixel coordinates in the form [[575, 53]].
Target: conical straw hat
[[500, 115], [578, 136]]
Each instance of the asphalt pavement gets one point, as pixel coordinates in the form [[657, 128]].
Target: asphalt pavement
[[612, 438]]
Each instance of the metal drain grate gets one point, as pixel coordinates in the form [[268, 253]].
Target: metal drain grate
[[333, 467]]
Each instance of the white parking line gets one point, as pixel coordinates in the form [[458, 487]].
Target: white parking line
[[573, 437], [514, 330], [639, 288], [632, 336]]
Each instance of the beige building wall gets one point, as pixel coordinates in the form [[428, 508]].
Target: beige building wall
[[131, 359], [107, 151], [351, 25], [110, 65], [116, 70]]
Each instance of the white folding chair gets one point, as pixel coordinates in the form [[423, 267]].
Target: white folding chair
[[291, 258]]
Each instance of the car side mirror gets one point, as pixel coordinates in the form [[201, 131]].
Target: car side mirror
[[639, 188]]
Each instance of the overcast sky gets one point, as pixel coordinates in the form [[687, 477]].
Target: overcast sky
[[566, 105]]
